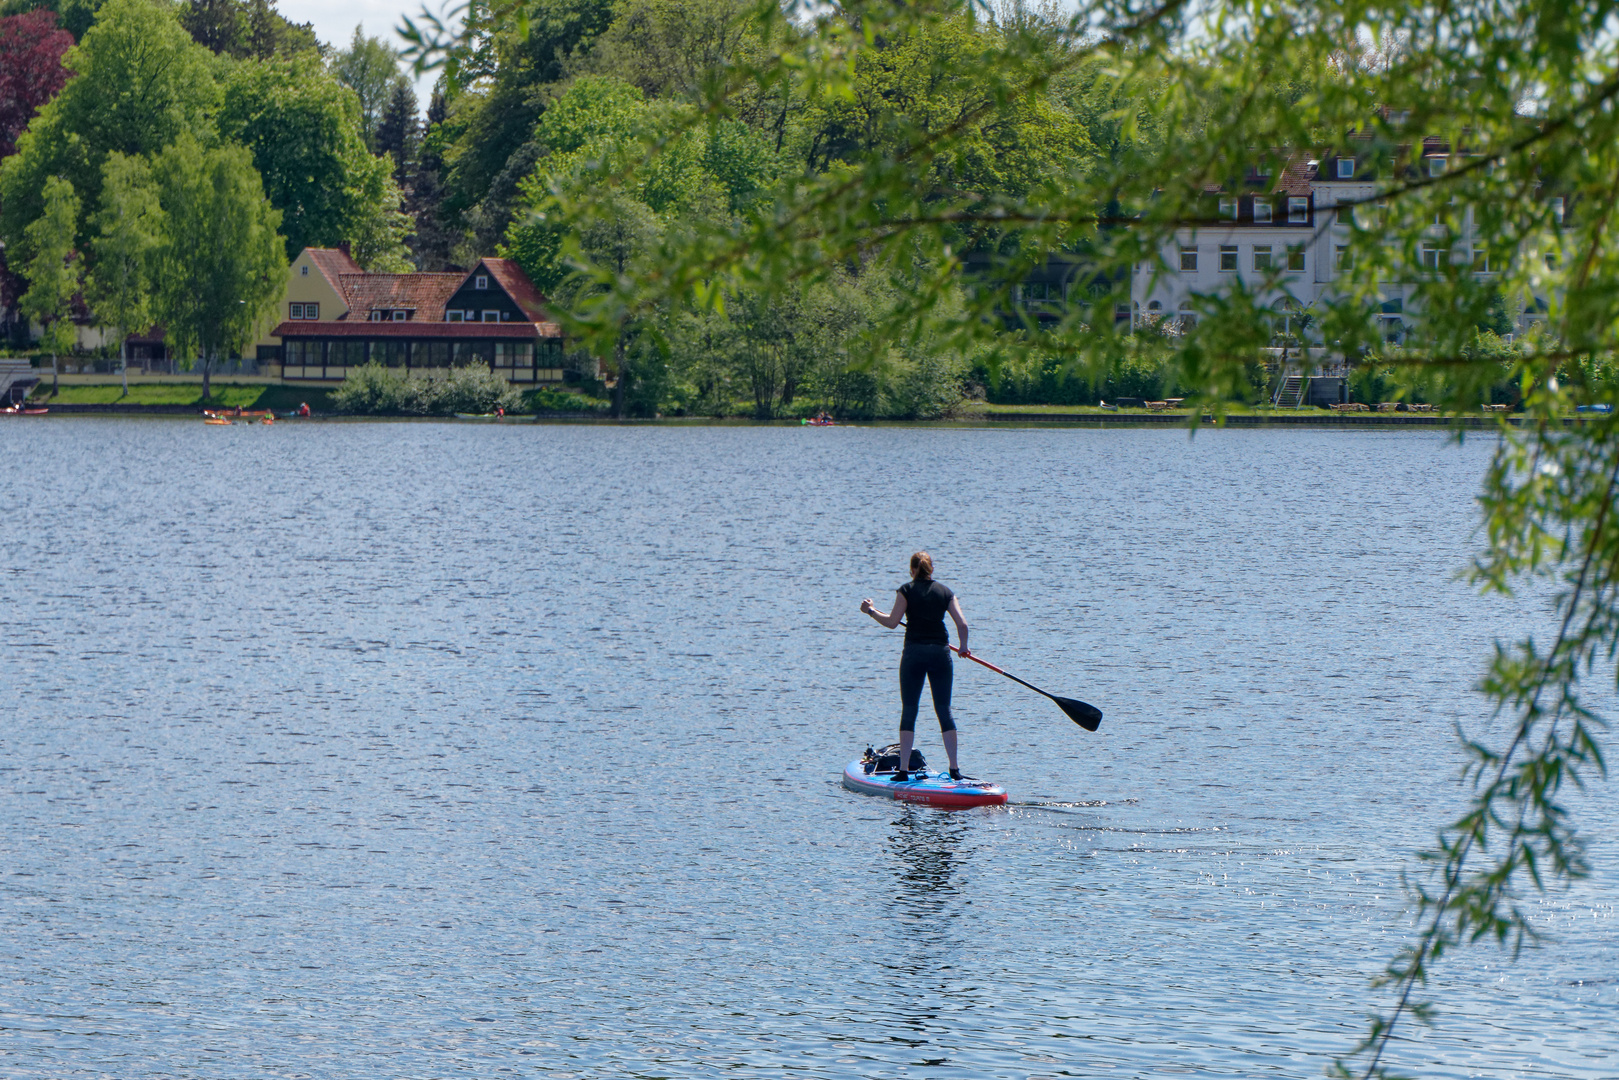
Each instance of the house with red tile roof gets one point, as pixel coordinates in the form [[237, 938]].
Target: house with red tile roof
[[336, 317]]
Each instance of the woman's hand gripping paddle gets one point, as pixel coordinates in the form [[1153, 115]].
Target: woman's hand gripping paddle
[[1086, 716]]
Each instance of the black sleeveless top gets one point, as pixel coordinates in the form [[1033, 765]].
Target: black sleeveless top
[[925, 605]]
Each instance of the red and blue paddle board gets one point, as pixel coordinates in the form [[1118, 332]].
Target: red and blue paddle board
[[926, 789]]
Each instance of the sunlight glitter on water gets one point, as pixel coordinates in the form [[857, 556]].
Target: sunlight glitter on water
[[425, 749]]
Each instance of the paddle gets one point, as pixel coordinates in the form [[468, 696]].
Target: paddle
[[1086, 716]]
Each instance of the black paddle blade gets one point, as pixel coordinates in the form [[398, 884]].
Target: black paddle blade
[[1086, 716]]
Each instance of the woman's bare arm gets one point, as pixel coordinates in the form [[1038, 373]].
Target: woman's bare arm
[[961, 626], [892, 618]]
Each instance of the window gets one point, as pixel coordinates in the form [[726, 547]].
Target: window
[[481, 282], [1188, 316], [452, 316], [377, 314], [295, 311], [400, 316], [1437, 165], [1262, 210], [1430, 256], [1228, 208], [1557, 209], [1295, 259], [491, 316], [1346, 216], [303, 271], [1228, 256], [1298, 211], [1481, 260], [1261, 256], [1155, 306], [1346, 168], [1189, 259], [1340, 257]]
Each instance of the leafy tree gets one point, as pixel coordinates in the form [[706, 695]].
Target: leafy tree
[[220, 266], [246, 28], [619, 240], [670, 48], [140, 83], [31, 71], [490, 150], [76, 15], [377, 237], [53, 271], [370, 68], [129, 227], [303, 128], [399, 132]]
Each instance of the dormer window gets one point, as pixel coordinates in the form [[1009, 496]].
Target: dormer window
[[1346, 168], [491, 316], [1262, 210], [1437, 166], [1228, 208], [377, 314], [452, 316], [481, 282], [1298, 211], [400, 316]]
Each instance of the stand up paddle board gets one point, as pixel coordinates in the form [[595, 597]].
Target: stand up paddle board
[[936, 789]]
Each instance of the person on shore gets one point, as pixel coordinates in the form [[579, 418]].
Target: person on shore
[[926, 656]]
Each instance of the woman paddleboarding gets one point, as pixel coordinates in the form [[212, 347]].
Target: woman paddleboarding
[[926, 656]]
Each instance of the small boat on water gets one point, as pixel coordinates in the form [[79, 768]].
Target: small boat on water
[[493, 418], [23, 409]]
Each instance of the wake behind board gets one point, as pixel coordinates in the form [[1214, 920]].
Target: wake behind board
[[935, 789]]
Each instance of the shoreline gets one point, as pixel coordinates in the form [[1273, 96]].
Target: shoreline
[[986, 419]]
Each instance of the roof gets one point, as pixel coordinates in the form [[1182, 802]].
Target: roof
[[426, 294], [517, 286], [333, 263], [416, 328]]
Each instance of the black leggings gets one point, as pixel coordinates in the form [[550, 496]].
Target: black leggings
[[930, 662]]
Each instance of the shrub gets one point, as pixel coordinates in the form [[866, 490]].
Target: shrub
[[375, 390]]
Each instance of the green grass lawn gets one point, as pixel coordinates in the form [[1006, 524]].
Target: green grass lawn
[[278, 398]]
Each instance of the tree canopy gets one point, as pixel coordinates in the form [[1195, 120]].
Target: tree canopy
[[31, 71], [139, 84]]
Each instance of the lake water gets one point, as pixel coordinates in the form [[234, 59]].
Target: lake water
[[434, 750]]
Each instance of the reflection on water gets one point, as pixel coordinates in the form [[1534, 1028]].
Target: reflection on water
[[439, 750]]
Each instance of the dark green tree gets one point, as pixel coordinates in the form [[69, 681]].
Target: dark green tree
[[399, 132], [432, 238], [246, 28]]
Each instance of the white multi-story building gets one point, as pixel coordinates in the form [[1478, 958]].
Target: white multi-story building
[[1287, 239]]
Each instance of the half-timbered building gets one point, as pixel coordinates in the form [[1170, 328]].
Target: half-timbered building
[[491, 315]]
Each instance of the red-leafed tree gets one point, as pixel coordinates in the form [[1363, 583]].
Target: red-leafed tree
[[31, 71]]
